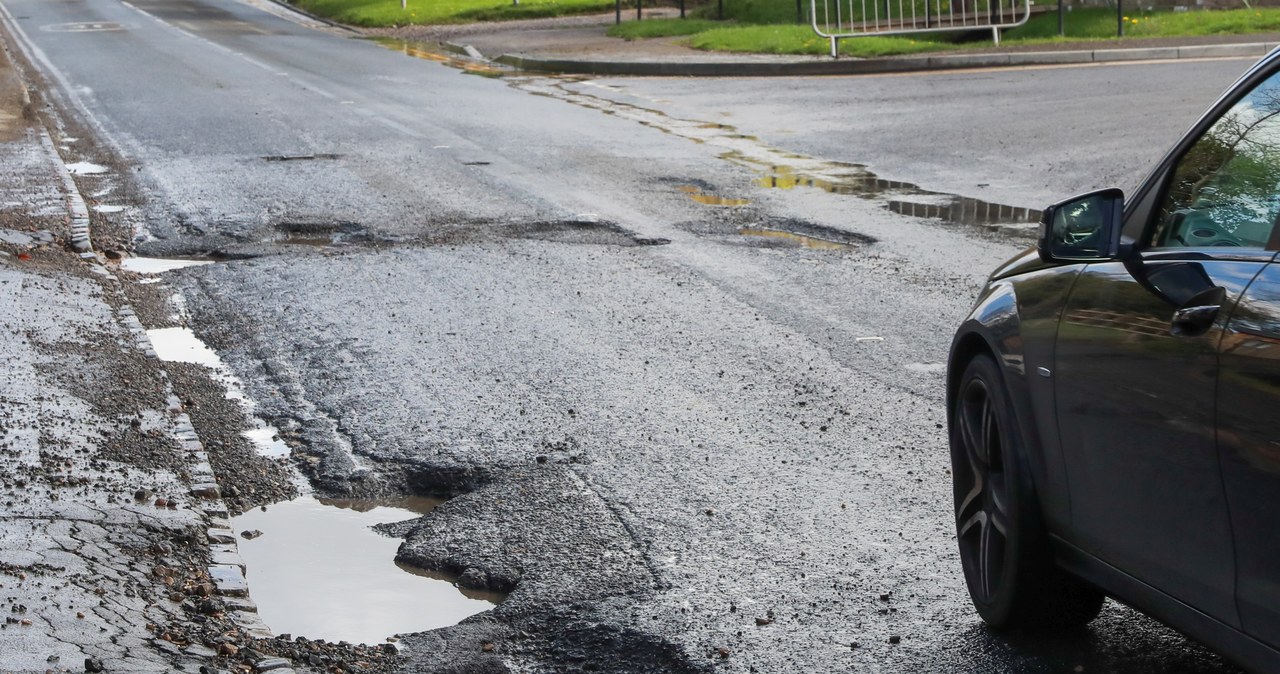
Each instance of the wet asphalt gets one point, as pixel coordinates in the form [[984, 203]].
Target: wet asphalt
[[676, 446]]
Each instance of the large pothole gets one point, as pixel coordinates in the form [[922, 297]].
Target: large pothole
[[317, 567]]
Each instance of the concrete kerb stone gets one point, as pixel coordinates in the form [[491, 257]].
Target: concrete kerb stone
[[1223, 50], [1141, 54], [1048, 57], [864, 66]]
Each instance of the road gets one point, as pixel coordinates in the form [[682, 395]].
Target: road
[[681, 439]]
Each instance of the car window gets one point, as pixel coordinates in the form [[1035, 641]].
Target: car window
[[1226, 189]]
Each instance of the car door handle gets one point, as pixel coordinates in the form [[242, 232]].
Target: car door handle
[[1196, 316]]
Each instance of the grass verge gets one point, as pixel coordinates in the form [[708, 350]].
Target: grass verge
[[372, 13]]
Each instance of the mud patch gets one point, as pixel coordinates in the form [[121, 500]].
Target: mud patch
[[319, 569]]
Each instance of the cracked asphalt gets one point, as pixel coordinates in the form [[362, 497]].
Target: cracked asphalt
[[678, 375]]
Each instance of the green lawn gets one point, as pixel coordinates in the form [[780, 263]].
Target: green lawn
[[742, 34], [769, 26], [388, 12]]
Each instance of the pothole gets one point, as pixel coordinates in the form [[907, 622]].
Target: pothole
[[320, 234], [433, 52], [318, 569], [791, 238]]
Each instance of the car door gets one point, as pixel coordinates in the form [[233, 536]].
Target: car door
[[1136, 362], [1248, 437]]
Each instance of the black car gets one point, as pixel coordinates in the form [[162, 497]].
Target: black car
[[1109, 398]]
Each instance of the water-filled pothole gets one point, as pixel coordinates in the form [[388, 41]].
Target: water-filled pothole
[[433, 52], [320, 570], [791, 238], [697, 194]]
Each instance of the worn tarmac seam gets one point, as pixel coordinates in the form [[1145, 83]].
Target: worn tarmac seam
[[623, 514]]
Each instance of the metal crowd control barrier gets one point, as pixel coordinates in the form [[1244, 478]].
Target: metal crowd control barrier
[[840, 19]]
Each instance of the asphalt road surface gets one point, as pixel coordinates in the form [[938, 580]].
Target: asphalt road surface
[[676, 356]]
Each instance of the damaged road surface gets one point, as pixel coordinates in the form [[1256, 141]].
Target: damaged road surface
[[676, 389]]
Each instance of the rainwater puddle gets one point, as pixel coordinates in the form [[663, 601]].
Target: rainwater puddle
[[180, 345], [711, 199], [108, 208], [84, 168], [795, 239], [156, 265], [320, 571], [430, 52]]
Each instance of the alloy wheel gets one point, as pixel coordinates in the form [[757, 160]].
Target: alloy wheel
[[982, 517]]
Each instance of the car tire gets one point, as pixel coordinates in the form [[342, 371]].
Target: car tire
[[1004, 548]]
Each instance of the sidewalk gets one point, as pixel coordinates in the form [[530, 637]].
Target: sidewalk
[[578, 45]]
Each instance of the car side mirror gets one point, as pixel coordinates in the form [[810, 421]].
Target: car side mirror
[[1085, 228]]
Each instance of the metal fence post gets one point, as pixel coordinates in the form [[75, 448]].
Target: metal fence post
[[1062, 19], [617, 12], [1119, 18]]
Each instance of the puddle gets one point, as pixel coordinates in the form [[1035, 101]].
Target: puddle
[[108, 208], [157, 265], [710, 199], [267, 439], [795, 239], [430, 52], [84, 168], [320, 571], [180, 345], [780, 169]]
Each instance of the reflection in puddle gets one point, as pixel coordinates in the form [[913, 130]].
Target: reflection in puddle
[[267, 439], [796, 239], [180, 345], [710, 199], [156, 265], [425, 50], [320, 571]]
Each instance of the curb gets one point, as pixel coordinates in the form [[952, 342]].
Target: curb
[[880, 65]]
